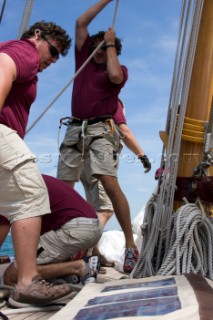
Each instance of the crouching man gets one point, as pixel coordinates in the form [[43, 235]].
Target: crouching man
[[71, 227]]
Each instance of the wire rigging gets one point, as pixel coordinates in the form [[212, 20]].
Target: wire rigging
[[25, 17], [2, 10]]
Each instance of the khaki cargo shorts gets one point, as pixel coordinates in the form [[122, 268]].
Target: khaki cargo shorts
[[23, 193], [101, 146], [74, 236]]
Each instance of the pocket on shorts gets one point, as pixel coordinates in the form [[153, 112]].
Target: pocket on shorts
[[13, 150], [71, 136], [29, 180], [48, 255]]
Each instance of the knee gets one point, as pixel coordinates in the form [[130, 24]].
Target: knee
[[111, 186]]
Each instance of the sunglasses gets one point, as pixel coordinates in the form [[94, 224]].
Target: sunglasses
[[103, 48], [53, 51]]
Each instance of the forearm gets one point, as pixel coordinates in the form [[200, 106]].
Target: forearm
[[85, 19], [133, 145], [113, 66], [61, 269]]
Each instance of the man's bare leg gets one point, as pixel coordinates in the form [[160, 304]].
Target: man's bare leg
[[104, 216], [121, 207], [122, 212], [25, 235]]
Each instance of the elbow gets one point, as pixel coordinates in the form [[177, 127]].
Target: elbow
[[79, 23], [126, 133], [126, 136], [116, 78]]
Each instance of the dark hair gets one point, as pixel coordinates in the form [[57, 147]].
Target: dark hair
[[100, 36], [53, 31]]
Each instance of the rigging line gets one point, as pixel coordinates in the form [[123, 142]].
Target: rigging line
[[29, 11], [161, 207], [22, 20], [171, 147], [115, 14], [75, 75], [25, 17], [2, 10]]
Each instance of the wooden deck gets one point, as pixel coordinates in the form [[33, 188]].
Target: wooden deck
[[44, 313]]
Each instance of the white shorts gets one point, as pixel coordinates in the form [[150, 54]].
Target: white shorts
[[74, 236], [23, 193]]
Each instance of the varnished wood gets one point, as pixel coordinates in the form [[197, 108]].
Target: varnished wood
[[201, 90]]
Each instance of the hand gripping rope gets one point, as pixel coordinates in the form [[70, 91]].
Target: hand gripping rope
[[75, 75]]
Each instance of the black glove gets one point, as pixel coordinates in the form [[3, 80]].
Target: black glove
[[146, 163]]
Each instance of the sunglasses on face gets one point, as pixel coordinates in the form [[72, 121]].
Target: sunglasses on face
[[103, 48], [53, 51]]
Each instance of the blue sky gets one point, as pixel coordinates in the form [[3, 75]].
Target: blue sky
[[149, 30]]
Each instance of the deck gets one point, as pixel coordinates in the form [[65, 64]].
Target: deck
[[180, 297], [44, 314]]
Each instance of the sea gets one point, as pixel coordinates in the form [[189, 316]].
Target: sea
[[7, 247]]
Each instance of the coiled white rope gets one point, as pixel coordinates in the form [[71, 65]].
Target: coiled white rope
[[190, 245]]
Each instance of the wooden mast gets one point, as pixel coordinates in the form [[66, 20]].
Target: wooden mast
[[200, 93]]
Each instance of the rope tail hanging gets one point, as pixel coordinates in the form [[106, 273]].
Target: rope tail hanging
[[75, 75]]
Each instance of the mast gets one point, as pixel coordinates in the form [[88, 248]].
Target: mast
[[174, 239], [200, 95]]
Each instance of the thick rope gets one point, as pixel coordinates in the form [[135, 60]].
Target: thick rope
[[73, 78], [191, 243]]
